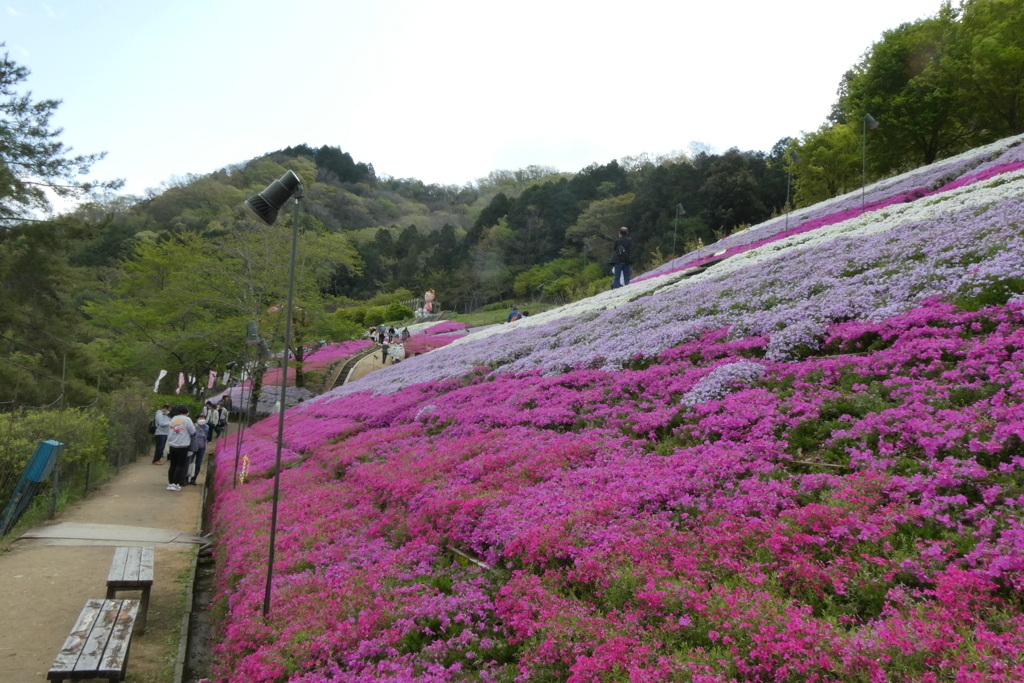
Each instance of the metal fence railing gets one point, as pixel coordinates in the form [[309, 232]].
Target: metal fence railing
[[98, 440]]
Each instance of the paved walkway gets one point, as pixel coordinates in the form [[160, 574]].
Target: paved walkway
[[367, 365], [51, 571]]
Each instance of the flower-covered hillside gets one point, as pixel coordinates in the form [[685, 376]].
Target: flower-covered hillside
[[317, 363], [803, 464]]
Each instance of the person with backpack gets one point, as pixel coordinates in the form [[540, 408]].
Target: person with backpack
[[159, 427], [181, 431], [195, 458], [514, 315], [622, 258]]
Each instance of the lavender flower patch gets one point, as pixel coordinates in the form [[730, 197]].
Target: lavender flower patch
[[724, 380], [795, 341], [864, 278], [918, 182]]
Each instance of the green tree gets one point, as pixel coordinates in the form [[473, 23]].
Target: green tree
[[33, 161], [831, 163], [988, 57], [42, 334], [730, 193], [598, 226], [907, 82]]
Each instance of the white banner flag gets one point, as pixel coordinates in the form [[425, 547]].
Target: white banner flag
[[156, 384]]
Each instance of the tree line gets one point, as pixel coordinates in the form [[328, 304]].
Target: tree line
[[126, 285]]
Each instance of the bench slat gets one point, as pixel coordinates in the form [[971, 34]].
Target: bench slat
[[117, 566], [68, 656], [131, 568], [97, 641], [116, 652], [146, 565]]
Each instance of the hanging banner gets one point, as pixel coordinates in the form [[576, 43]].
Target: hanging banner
[[213, 378], [156, 384], [226, 379], [181, 382]]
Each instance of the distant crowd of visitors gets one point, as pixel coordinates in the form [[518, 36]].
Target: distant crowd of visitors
[[392, 343], [185, 441]]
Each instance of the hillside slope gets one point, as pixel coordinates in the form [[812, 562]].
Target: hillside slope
[[801, 464]]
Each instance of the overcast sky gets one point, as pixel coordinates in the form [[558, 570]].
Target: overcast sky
[[443, 91]]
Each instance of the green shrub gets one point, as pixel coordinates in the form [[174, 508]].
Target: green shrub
[[385, 298], [194, 404], [396, 311], [354, 315], [82, 430], [374, 316], [499, 306]]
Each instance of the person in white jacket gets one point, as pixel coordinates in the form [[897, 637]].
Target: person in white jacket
[[181, 432], [162, 422], [212, 415]]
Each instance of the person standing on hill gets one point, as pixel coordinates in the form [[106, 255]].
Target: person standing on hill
[[514, 315], [622, 258], [405, 334], [162, 422], [179, 438]]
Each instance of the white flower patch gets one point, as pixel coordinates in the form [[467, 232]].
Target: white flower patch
[[872, 223]]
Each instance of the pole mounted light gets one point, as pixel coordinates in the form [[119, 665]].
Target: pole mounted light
[[265, 206], [789, 179], [680, 211], [252, 333], [869, 124]]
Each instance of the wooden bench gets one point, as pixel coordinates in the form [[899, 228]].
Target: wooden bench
[[132, 570], [99, 642]]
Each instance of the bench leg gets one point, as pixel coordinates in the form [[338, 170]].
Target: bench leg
[[111, 593], [124, 669], [140, 621]]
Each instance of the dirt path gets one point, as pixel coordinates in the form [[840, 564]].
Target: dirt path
[[47, 579]]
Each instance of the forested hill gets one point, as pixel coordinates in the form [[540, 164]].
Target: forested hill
[[126, 286], [477, 242]]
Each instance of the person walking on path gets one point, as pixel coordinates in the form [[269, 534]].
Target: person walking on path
[[195, 459], [405, 334], [622, 258], [392, 334], [179, 438], [384, 348], [162, 423]]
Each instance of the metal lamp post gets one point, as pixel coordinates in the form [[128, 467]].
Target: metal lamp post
[[252, 338], [675, 227], [265, 206], [869, 124], [789, 179]]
